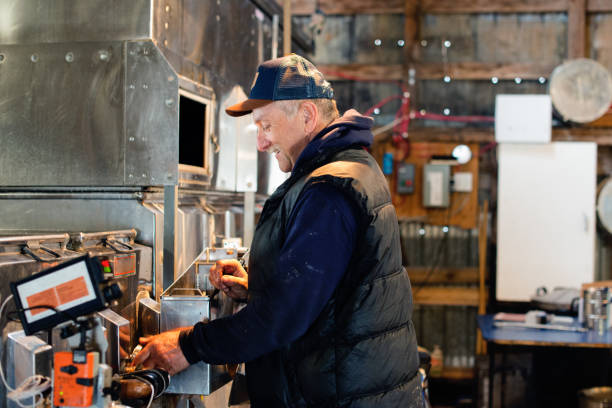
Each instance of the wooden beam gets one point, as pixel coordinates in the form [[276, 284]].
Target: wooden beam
[[457, 373], [419, 275], [601, 136], [576, 29], [344, 7], [411, 31], [599, 6], [411, 49], [480, 70], [436, 70], [453, 135], [362, 71], [445, 295], [286, 27], [494, 6]]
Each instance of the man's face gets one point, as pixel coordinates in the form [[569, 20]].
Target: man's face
[[280, 135]]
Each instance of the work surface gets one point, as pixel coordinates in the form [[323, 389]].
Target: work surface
[[541, 337]]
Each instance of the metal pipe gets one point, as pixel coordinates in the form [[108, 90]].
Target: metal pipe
[[275, 36], [28, 238], [83, 236], [249, 218], [287, 27], [170, 208]]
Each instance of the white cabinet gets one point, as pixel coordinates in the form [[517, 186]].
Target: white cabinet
[[545, 217]]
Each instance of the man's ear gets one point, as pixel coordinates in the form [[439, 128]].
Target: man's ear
[[310, 115]]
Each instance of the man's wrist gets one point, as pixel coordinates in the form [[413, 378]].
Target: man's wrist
[[186, 345]]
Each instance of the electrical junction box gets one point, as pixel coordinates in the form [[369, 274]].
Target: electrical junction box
[[462, 182], [523, 118], [405, 178], [436, 185]]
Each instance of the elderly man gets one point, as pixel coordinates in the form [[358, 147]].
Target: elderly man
[[328, 318]]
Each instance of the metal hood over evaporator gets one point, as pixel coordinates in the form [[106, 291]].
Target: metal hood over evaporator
[[86, 96]]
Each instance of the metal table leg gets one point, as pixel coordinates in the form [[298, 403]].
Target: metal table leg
[[491, 351]]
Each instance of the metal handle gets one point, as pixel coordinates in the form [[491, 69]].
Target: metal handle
[[56, 257], [114, 245]]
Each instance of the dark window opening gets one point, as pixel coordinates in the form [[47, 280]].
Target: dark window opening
[[192, 125]]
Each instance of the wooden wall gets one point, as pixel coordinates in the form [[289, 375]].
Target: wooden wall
[[506, 40]]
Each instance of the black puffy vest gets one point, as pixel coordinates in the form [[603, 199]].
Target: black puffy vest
[[361, 351]]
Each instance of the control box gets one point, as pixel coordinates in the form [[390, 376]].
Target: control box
[[405, 178], [436, 185], [74, 379]]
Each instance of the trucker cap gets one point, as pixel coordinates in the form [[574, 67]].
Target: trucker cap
[[285, 78]]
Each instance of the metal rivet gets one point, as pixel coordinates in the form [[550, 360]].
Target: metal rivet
[[130, 175], [400, 43], [132, 86], [2, 58], [446, 111], [169, 102], [165, 43], [131, 139], [34, 58], [103, 55], [69, 57], [541, 80], [518, 80], [218, 17], [447, 79], [145, 86], [166, 25], [423, 43], [495, 80], [447, 44], [377, 42], [167, 9], [144, 175], [376, 111]]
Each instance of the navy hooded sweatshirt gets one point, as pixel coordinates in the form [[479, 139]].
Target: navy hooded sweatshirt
[[321, 236]]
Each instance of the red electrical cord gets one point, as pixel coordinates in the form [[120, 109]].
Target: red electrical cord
[[381, 103], [403, 114]]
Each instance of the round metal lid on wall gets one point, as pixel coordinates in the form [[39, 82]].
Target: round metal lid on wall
[[581, 90], [604, 204]]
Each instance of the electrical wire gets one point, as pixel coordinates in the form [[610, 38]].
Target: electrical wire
[[150, 384]]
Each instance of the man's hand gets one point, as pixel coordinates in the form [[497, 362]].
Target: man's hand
[[230, 277], [162, 351]]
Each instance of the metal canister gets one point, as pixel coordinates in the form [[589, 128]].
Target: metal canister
[[597, 397], [596, 308]]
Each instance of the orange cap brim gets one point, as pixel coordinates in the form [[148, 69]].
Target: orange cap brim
[[246, 107]]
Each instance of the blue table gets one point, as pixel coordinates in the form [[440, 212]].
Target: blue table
[[528, 337], [539, 337]]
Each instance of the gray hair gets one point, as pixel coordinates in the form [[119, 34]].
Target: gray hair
[[327, 107]]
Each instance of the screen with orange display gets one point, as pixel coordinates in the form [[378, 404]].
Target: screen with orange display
[[71, 287]]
